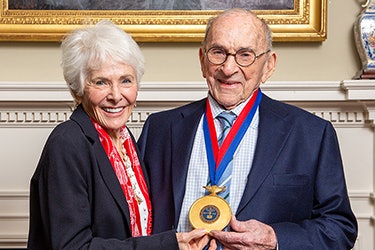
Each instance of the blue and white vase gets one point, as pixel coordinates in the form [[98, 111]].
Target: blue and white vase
[[364, 34]]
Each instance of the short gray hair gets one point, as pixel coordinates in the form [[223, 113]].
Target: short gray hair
[[85, 49]]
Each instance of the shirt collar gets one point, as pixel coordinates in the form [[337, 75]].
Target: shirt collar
[[216, 108]]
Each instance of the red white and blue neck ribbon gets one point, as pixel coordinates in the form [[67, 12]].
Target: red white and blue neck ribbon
[[219, 158]]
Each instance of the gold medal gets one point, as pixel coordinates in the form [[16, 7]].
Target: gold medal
[[210, 212]]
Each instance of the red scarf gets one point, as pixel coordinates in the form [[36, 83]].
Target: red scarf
[[124, 180]]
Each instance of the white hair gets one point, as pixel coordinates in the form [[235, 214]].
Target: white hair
[[84, 50]]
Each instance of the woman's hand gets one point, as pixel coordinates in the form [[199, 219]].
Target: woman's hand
[[193, 240]]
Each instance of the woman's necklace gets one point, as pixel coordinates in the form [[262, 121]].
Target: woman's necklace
[[129, 171]]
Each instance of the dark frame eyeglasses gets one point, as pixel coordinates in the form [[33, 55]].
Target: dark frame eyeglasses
[[243, 57]]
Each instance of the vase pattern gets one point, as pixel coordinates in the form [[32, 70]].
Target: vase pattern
[[364, 33]]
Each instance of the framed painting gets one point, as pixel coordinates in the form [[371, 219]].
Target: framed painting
[[157, 20]]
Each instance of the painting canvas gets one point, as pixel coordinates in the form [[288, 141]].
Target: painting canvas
[[150, 4]]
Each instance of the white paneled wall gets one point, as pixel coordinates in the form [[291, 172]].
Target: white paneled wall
[[30, 110]]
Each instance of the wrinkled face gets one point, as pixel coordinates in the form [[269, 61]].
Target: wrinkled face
[[229, 83], [110, 94]]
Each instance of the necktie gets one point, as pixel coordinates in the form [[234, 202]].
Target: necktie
[[226, 119]]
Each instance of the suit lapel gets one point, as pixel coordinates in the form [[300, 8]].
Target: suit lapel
[[269, 145], [183, 135], [272, 135], [111, 180], [103, 162]]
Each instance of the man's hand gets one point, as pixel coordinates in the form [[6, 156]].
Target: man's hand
[[193, 240], [250, 234]]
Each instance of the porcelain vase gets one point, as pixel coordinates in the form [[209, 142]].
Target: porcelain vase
[[364, 34]]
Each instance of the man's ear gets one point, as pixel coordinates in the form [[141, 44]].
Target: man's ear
[[201, 59], [269, 67]]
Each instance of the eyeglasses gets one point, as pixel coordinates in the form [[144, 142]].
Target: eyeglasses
[[243, 57]]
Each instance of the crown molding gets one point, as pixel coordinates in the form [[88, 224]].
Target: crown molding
[[190, 91]]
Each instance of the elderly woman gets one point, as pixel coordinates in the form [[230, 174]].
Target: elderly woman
[[90, 189]]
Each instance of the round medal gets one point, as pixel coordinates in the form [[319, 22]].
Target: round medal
[[210, 212]]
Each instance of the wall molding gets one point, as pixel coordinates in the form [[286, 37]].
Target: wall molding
[[189, 91], [6, 194], [46, 104], [51, 117]]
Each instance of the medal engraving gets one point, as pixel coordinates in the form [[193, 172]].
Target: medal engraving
[[210, 212]]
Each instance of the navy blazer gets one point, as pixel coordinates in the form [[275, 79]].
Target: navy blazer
[[296, 183], [76, 201]]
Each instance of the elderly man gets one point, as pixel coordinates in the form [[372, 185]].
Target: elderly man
[[280, 165]]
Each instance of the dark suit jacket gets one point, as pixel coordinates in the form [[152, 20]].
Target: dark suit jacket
[[76, 201], [296, 183]]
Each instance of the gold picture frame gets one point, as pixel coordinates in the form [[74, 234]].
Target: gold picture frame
[[307, 22]]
